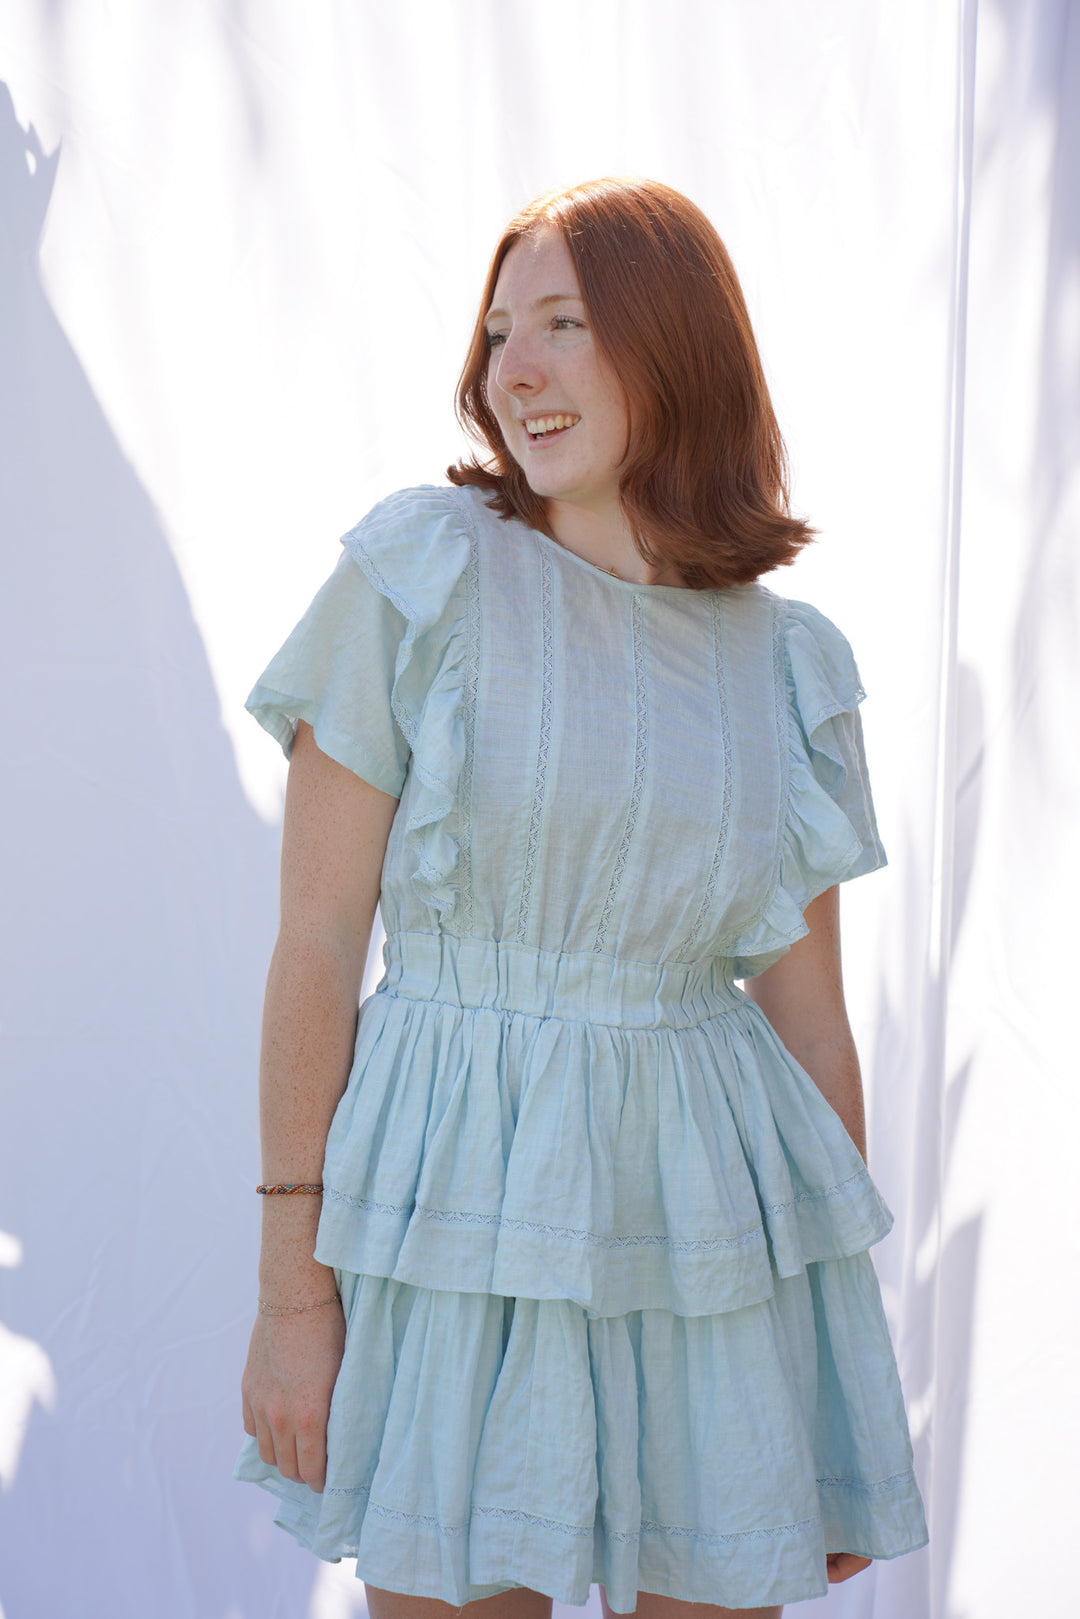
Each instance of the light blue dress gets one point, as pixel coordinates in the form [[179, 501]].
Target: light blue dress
[[602, 1243]]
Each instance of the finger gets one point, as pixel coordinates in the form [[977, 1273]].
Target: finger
[[265, 1441], [249, 1417], [285, 1447], [311, 1458]]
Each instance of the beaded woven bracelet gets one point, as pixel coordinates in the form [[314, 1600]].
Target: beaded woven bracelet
[[267, 1191]]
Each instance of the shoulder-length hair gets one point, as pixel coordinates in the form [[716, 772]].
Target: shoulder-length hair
[[705, 485]]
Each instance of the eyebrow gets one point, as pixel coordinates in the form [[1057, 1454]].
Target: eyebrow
[[540, 303]]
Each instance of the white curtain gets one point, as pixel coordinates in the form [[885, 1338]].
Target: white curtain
[[240, 249]]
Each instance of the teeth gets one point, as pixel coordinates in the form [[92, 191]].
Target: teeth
[[549, 424]]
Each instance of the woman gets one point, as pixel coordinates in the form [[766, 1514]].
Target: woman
[[581, 1288]]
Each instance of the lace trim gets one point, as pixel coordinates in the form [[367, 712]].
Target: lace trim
[[575, 1531], [780, 738], [378, 578], [542, 749], [820, 1194], [725, 803], [640, 753], [368, 1204], [803, 1526], [893, 1482], [452, 1529], [624, 1537], [472, 678], [781, 733], [595, 1238]]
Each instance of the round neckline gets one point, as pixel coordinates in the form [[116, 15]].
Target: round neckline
[[612, 578]]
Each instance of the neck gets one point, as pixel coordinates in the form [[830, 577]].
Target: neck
[[604, 539]]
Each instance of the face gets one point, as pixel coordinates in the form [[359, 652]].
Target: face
[[543, 369]]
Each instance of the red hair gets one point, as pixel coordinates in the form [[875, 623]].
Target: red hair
[[705, 486]]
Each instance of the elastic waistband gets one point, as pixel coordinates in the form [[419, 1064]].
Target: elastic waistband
[[556, 984]]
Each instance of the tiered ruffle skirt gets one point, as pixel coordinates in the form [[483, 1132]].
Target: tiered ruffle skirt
[[611, 1313]]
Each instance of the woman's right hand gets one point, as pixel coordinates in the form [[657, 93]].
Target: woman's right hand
[[292, 1365]]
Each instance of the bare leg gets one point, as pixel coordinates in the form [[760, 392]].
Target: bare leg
[[520, 1603], [650, 1606]]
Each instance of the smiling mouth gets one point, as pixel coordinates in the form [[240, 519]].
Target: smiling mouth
[[546, 426]]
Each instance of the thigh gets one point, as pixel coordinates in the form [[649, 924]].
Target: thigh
[[520, 1603], [650, 1606]]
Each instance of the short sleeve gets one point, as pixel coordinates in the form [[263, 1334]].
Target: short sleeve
[[830, 832], [336, 671], [378, 665]]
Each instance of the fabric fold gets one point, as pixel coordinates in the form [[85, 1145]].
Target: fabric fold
[[830, 832]]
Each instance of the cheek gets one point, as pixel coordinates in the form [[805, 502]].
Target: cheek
[[610, 410], [496, 397], [615, 430], [507, 426], [499, 404]]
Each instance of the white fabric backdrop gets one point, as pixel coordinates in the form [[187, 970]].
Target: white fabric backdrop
[[262, 232]]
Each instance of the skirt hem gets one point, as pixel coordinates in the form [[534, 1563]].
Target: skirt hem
[[531, 1563]]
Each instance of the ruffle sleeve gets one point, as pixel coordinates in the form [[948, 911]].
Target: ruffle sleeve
[[830, 831], [336, 670], [377, 666]]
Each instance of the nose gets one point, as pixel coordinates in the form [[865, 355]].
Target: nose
[[517, 368]]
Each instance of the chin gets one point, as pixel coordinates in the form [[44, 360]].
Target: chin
[[550, 486], [544, 488]]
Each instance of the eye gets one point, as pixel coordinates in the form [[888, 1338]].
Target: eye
[[564, 322], [494, 339]]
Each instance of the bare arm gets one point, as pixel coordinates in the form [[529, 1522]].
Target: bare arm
[[334, 840], [802, 995]]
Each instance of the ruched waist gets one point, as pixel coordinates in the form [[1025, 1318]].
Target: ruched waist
[[572, 987]]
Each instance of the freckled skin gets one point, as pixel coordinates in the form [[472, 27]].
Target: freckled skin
[[544, 361], [334, 838]]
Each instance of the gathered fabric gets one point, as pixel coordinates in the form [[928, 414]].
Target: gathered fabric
[[601, 1241]]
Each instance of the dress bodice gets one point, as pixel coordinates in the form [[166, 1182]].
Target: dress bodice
[[616, 800]]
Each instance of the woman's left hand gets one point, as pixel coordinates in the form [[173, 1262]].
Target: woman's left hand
[[842, 1565]]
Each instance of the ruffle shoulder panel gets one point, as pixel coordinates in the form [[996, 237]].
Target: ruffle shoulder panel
[[377, 668], [830, 830], [414, 547]]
